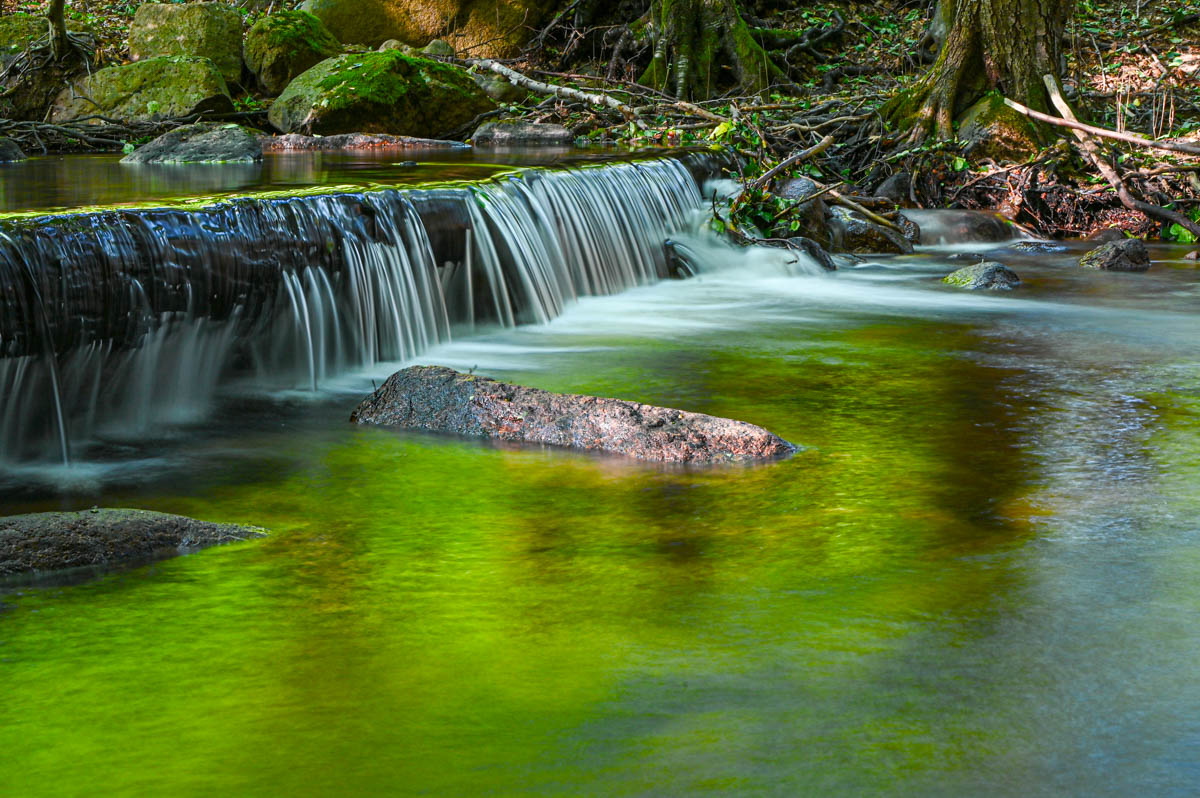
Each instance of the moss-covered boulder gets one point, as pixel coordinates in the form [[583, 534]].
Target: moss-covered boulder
[[381, 92], [984, 276], [487, 28], [990, 129], [17, 31], [1126, 255], [281, 46], [157, 88], [204, 30]]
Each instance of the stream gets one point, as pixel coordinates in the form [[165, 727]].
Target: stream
[[979, 576]]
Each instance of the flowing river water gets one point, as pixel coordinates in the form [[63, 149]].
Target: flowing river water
[[979, 576]]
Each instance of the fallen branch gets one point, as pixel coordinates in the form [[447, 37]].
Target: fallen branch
[[1076, 125], [792, 160], [1109, 173], [517, 79]]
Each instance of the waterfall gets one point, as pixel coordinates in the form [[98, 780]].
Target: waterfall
[[116, 322]]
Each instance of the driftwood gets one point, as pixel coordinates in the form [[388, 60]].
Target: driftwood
[[1076, 125], [524, 81]]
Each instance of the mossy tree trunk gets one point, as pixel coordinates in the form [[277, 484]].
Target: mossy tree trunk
[[695, 40], [992, 45], [56, 14]]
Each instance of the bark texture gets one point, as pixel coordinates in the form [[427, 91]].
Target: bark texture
[[439, 399], [1001, 45], [694, 40]]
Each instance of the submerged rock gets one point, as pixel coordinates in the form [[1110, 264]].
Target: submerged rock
[[283, 45], [440, 399], [380, 92], [355, 141], [146, 91], [203, 30], [203, 142], [10, 151], [1127, 255], [522, 134], [986, 276], [54, 541]]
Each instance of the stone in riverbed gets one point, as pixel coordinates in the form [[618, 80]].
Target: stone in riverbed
[[439, 399], [522, 134], [54, 541], [204, 30], [356, 141], [10, 151], [203, 142], [989, 275], [1127, 255], [146, 91]]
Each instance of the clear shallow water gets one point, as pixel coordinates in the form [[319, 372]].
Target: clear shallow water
[[979, 577]]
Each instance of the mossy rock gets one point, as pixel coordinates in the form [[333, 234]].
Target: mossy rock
[[17, 31], [381, 92], [984, 276], [281, 46], [990, 129], [485, 28], [146, 91], [204, 30]]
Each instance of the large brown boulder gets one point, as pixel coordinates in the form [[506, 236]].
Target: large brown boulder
[[54, 541], [383, 92], [146, 91], [483, 28], [204, 30], [439, 399]]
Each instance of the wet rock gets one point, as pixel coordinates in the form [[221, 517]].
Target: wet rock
[[146, 91], [1128, 255], [282, 45], [204, 142], [811, 216], [989, 276], [203, 30], [1193, 255], [355, 141], [379, 92], [809, 248], [910, 229], [974, 257], [522, 134], [1037, 247], [439, 399], [488, 29], [960, 227], [853, 232], [1108, 234], [10, 151], [54, 541], [990, 129], [896, 189]]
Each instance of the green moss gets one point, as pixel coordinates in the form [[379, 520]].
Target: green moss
[[283, 45], [18, 30]]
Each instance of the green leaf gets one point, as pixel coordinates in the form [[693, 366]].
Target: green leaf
[[1176, 232], [960, 164], [720, 130]]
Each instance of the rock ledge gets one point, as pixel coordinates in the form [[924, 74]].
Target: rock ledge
[[440, 399]]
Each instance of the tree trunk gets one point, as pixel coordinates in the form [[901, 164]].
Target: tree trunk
[[59, 45], [1001, 45], [694, 40]]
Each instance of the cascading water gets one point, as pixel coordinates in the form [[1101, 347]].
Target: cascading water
[[115, 322]]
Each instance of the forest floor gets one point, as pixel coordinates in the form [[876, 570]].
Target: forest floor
[[1131, 66]]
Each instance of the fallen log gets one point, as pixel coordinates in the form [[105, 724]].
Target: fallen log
[[439, 399]]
